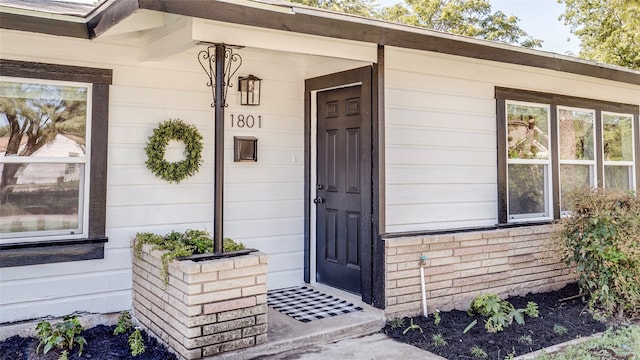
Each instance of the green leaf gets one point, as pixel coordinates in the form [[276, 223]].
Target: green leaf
[[518, 316], [470, 326]]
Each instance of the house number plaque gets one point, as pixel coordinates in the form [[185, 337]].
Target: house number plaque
[[246, 121]]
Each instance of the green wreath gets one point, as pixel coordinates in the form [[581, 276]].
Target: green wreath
[[156, 147]]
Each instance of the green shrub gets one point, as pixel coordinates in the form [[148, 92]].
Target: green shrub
[[601, 239], [180, 245]]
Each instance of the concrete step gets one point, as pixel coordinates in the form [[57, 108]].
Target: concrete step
[[286, 334]]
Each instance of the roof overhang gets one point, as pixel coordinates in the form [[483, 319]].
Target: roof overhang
[[283, 16]]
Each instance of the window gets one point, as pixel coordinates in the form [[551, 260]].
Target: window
[[576, 147], [550, 145], [528, 160], [53, 142], [618, 146], [43, 157]]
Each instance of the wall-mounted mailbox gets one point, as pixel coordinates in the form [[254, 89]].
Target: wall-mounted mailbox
[[245, 148]]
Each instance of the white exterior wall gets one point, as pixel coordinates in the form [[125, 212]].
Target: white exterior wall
[[263, 201], [440, 123]]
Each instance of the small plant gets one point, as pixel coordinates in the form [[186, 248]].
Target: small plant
[[396, 323], [436, 317], [229, 245], [510, 356], [532, 310], [478, 353], [124, 323], [64, 335], [136, 344], [525, 340], [559, 329], [487, 305], [412, 327], [438, 340], [180, 245], [498, 313]]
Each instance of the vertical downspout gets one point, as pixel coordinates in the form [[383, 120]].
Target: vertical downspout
[[219, 149]]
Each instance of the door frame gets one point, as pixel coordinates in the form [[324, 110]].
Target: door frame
[[372, 291]]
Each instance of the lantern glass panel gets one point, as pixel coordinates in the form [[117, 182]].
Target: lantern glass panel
[[250, 90]]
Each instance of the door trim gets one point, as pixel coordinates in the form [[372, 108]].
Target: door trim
[[362, 76]]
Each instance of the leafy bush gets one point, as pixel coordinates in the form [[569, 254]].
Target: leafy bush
[[179, 245], [601, 239], [63, 335]]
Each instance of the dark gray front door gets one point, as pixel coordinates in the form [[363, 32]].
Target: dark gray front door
[[343, 188]]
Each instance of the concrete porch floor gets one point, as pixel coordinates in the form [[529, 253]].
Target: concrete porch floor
[[348, 336], [285, 333]]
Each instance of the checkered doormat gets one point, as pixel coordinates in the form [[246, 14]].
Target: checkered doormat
[[305, 304]]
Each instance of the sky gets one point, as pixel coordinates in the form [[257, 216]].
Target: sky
[[539, 18]]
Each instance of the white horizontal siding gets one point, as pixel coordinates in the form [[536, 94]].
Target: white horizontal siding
[[263, 200], [440, 134]]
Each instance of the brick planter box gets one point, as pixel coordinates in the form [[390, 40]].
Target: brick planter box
[[208, 307]]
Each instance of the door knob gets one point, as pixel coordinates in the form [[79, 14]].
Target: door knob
[[319, 200]]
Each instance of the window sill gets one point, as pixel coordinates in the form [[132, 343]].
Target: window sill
[[55, 251]]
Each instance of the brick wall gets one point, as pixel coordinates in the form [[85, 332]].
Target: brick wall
[[207, 308], [460, 266]]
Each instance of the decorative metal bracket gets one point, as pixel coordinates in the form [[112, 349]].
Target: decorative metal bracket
[[232, 62]]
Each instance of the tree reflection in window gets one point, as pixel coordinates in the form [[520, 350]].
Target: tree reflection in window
[[617, 133], [42, 156], [528, 159]]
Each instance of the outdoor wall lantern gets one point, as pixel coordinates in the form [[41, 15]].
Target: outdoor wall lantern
[[249, 87], [245, 148]]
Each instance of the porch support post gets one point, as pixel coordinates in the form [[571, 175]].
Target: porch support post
[[219, 105], [220, 64]]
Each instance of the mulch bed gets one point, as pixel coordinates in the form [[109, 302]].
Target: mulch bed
[[571, 314], [101, 345]]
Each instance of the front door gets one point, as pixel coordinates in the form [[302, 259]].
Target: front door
[[343, 187]]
